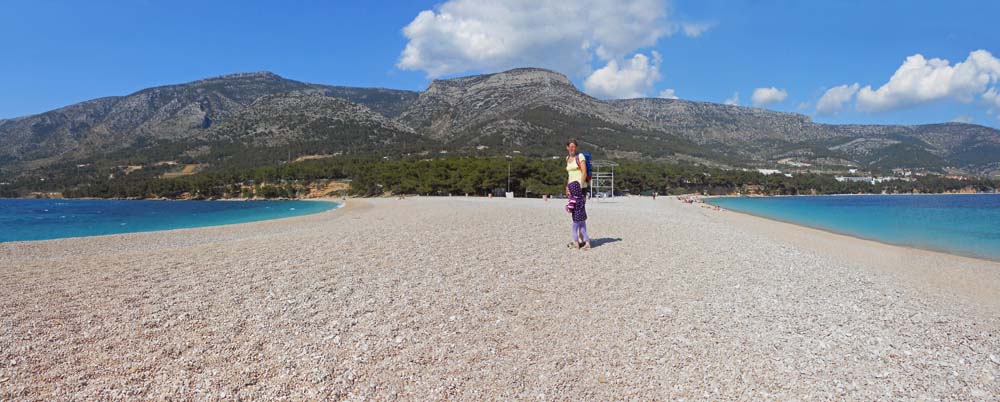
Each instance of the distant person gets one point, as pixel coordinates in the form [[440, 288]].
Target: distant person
[[576, 167]]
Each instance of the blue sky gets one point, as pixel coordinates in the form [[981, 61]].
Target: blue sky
[[791, 53]]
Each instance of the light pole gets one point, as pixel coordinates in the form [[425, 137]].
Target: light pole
[[507, 190]]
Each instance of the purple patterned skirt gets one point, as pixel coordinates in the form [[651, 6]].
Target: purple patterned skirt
[[580, 210]]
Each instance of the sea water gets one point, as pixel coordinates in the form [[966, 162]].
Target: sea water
[[39, 219], [966, 224]]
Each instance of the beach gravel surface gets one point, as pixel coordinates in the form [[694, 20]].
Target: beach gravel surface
[[473, 298]]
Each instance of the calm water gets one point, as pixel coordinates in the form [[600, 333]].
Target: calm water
[[22, 219], [960, 224]]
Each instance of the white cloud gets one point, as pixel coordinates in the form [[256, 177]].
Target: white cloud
[[466, 35], [992, 99], [919, 80], [803, 106], [695, 29], [733, 100], [460, 36], [962, 119], [668, 94], [768, 96], [633, 79], [833, 100]]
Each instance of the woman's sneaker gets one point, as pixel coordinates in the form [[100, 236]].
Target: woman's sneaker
[[573, 245], [586, 246]]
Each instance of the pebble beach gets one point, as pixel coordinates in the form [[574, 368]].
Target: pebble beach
[[432, 298]]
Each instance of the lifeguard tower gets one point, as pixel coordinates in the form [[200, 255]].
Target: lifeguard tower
[[602, 179]]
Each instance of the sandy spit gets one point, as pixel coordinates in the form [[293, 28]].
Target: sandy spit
[[459, 298]]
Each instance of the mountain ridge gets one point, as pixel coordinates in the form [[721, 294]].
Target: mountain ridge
[[529, 110]]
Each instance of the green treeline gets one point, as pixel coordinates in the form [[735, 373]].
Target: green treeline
[[533, 177]]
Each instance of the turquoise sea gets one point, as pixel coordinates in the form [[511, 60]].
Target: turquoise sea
[[30, 219], [966, 224]]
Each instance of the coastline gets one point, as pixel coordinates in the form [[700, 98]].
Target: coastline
[[930, 269], [838, 195], [336, 205], [927, 248]]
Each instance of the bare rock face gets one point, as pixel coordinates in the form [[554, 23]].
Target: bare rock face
[[451, 109], [167, 113], [310, 116], [386, 102], [707, 123], [174, 111], [53, 133]]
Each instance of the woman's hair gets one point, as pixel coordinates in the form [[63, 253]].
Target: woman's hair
[[572, 141]]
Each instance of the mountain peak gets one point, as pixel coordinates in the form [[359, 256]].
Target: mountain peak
[[536, 73], [517, 77], [257, 75]]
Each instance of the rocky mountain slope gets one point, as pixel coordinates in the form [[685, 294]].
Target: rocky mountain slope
[[314, 122], [528, 110], [387, 102], [534, 111], [171, 114], [760, 135], [451, 107]]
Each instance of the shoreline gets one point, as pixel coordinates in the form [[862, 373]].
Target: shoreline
[[936, 270], [869, 239], [861, 237], [338, 205], [419, 195], [835, 195]]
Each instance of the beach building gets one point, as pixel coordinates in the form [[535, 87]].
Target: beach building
[[856, 179], [886, 178], [868, 179]]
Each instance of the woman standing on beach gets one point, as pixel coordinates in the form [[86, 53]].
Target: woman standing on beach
[[576, 167]]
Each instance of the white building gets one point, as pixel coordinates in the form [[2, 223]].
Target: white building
[[856, 179]]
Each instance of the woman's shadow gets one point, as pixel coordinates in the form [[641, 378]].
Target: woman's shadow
[[602, 241]]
